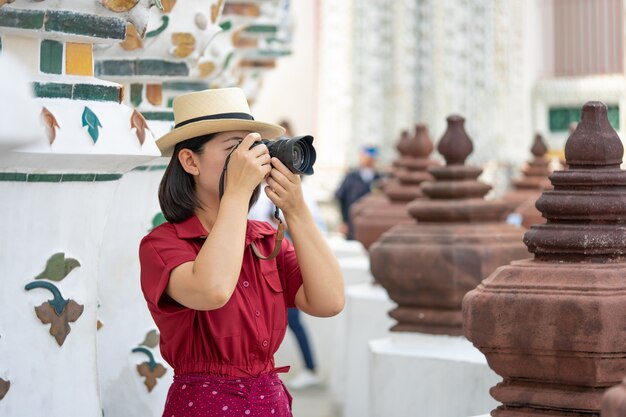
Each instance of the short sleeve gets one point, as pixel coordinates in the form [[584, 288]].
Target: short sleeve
[[158, 256], [290, 274]]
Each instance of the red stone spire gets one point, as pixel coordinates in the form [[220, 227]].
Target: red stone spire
[[553, 326]]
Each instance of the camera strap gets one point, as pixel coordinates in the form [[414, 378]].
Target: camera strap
[[280, 233]]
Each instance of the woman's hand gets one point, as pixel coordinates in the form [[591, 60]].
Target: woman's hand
[[248, 166], [284, 188]]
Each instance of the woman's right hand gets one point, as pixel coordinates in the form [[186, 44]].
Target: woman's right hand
[[248, 166]]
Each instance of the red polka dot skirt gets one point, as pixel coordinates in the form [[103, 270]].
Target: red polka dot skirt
[[195, 395]]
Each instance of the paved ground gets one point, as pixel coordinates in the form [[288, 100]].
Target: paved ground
[[313, 402]]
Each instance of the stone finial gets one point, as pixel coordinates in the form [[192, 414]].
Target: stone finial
[[539, 148], [594, 142], [403, 143], [455, 145], [586, 205], [421, 145]]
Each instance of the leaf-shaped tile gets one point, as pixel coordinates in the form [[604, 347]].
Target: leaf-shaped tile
[[138, 122], [58, 267], [59, 324], [51, 124], [4, 387], [152, 339], [151, 375], [92, 122]]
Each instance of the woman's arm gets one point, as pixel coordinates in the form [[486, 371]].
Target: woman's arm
[[322, 291], [209, 281]]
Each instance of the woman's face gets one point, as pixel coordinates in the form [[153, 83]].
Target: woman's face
[[210, 163]]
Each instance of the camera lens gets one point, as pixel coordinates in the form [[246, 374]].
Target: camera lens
[[298, 156]]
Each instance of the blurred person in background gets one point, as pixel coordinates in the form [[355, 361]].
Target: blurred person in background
[[357, 183]]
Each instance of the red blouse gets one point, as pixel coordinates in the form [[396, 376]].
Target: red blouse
[[239, 339]]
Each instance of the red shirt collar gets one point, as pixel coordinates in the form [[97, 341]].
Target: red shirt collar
[[192, 228]]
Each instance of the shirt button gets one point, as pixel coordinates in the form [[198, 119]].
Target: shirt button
[[257, 313], [246, 284], [265, 343]]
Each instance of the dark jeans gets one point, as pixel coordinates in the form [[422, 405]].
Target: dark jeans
[[296, 327]]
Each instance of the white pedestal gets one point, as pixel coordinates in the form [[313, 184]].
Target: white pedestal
[[343, 248], [367, 306], [413, 374], [356, 270]]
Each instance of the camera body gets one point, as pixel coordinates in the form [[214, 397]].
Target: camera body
[[297, 153]]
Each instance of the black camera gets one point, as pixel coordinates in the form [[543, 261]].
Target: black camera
[[297, 153]]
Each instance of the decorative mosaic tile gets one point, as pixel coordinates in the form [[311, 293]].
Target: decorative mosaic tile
[[58, 267], [164, 116], [22, 19], [185, 85], [97, 92], [133, 39], [78, 59], [154, 94], [261, 29], [126, 68], [24, 177], [150, 370], [92, 122], [242, 9], [165, 21], [50, 123], [150, 168], [78, 91], [140, 125], [85, 24], [136, 94], [58, 312], [119, 5], [51, 57], [184, 44], [4, 388], [151, 340]]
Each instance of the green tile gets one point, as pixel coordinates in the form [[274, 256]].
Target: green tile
[[52, 90], [161, 67], [85, 24], [78, 177], [136, 94], [108, 177], [22, 19], [97, 92], [158, 115], [51, 57], [261, 29], [13, 176], [44, 177], [170, 102], [165, 21], [226, 25], [120, 67], [185, 85]]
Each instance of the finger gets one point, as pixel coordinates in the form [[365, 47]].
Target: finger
[[276, 187], [281, 167], [265, 159], [272, 196], [250, 138], [280, 178], [259, 150]]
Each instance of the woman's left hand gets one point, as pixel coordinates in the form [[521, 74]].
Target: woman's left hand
[[284, 188]]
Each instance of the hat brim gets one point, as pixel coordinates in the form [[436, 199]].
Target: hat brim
[[167, 142]]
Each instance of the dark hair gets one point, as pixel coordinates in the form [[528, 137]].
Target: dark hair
[[177, 191]]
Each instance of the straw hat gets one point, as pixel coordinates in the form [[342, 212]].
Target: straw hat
[[213, 111]]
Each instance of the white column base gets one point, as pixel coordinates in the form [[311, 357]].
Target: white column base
[[367, 306], [415, 374]]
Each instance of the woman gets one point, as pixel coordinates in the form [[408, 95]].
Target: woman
[[220, 309]]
